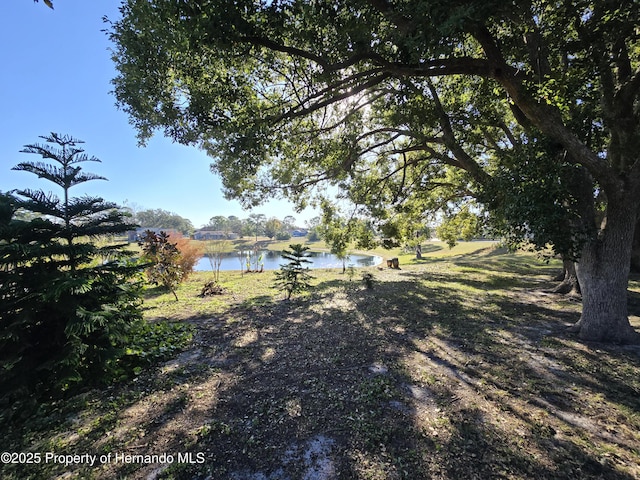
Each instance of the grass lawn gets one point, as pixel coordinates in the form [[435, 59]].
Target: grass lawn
[[454, 367]]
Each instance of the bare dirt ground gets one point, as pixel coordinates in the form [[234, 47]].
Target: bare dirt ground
[[456, 369]]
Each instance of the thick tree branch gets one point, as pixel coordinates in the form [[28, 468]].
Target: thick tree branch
[[543, 116], [507, 131], [623, 63], [375, 146], [449, 138], [630, 90], [439, 67], [293, 51], [328, 67]]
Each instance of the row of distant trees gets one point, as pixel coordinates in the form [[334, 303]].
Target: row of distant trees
[[159, 218], [257, 224], [332, 228]]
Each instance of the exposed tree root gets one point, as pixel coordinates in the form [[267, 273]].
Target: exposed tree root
[[569, 284], [629, 338]]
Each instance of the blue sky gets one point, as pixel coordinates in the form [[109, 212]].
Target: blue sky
[[56, 72]]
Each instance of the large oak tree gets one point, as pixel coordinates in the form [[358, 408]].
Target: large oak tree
[[388, 99]]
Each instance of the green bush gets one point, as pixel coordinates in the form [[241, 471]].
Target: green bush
[[283, 235], [148, 343], [163, 258], [368, 279]]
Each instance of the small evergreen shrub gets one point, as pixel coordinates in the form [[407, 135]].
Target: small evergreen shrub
[[368, 279], [351, 271], [294, 277]]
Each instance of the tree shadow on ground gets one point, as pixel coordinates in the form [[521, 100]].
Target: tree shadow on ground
[[505, 263], [155, 291], [432, 374]]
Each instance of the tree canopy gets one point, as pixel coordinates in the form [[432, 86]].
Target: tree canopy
[[403, 104], [159, 218]]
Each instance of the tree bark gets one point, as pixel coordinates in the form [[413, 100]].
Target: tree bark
[[635, 250], [569, 283], [603, 273]]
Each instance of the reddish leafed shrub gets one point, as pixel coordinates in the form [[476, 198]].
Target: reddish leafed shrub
[[190, 252]]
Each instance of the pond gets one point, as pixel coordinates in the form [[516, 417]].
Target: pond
[[272, 261]]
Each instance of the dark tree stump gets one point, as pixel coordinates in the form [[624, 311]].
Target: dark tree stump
[[393, 263]]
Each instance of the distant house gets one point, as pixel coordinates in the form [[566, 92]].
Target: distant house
[[136, 235], [299, 233], [214, 235]]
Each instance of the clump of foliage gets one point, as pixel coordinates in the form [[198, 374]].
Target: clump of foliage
[[161, 256], [534, 201], [190, 253], [336, 232], [463, 224], [294, 277], [272, 227], [170, 260], [68, 304], [368, 279], [313, 233], [283, 235], [351, 271], [340, 232], [159, 218], [147, 344]]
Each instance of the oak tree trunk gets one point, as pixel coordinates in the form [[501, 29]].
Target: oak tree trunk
[[603, 273], [569, 284], [635, 250]]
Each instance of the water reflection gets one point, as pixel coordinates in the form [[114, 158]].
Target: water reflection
[[272, 261]]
